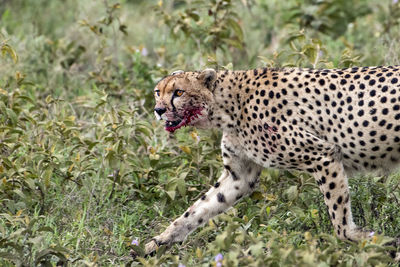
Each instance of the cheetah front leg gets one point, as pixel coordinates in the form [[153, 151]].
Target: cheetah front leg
[[237, 180]]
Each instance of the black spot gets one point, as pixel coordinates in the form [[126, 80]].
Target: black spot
[[252, 184], [271, 94], [332, 185], [234, 176], [372, 93], [200, 221], [186, 214], [216, 184], [221, 197]]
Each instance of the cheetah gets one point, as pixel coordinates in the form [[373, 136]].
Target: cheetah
[[329, 123]]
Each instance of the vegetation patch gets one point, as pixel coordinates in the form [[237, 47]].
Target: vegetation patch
[[86, 171]]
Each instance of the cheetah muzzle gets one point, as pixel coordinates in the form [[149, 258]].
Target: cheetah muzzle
[[189, 116]]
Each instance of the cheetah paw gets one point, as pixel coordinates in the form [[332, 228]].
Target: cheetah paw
[[151, 247]]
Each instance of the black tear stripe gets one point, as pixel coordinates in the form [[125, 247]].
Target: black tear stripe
[[172, 103]]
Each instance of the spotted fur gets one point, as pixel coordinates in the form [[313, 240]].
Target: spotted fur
[[326, 122]]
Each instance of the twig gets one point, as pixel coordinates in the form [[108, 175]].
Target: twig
[[115, 176]]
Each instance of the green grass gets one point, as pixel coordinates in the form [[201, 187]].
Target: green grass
[[85, 168]]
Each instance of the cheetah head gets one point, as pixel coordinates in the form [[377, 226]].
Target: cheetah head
[[185, 98]]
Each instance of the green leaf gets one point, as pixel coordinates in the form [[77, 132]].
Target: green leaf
[[18, 233], [47, 176], [7, 49], [234, 43], [161, 250], [12, 116], [181, 185], [234, 25], [12, 257], [257, 249], [194, 15], [171, 194], [37, 240], [123, 28], [45, 229], [291, 193], [56, 251], [139, 250]]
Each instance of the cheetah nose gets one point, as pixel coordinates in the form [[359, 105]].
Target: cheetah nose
[[160, 111]]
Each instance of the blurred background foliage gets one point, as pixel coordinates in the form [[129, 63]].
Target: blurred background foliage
[[85, 168]]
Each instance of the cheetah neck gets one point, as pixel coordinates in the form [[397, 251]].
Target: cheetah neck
[[229, 96]]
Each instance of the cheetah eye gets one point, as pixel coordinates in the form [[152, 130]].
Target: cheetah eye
[[157, 92], [178, 92]]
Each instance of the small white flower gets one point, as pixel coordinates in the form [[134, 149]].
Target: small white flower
[[219, 257], [144, 52]]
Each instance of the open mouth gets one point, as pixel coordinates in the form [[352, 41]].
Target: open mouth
[[188, 117]]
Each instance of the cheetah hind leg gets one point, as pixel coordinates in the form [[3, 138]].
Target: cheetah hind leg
[[333, 183]]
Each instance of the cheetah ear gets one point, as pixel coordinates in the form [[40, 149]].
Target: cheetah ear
[[208, 76], [177, 72]]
